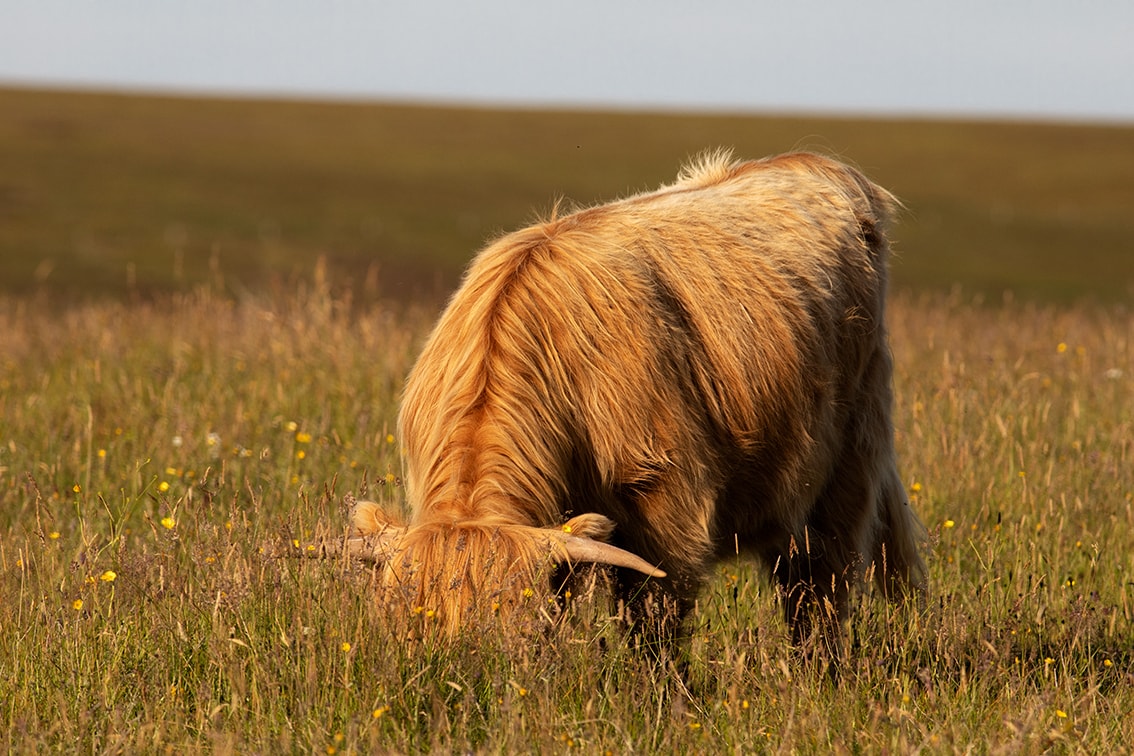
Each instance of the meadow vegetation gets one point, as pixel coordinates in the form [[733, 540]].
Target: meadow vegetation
[[185, 403], [159, 462]]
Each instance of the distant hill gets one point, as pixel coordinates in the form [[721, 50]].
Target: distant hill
[[106, 195]]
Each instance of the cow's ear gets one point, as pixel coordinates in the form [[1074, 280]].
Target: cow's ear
[[593, 526], [369, 518]]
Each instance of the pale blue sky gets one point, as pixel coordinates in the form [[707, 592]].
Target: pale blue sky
[[1001, 58]]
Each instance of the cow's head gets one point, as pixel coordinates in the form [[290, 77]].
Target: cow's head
[[451, 571]]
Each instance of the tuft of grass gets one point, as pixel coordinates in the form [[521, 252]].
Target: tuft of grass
[[159, 461]]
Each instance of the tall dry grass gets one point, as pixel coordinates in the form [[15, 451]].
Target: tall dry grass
[[157, 461]]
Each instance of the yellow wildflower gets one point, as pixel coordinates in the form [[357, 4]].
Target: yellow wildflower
[[108, 576], [168, 522]]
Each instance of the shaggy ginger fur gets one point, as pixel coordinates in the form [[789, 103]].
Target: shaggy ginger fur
[[704, 367]]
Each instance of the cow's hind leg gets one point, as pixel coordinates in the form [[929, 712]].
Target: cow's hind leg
[[899, 536]]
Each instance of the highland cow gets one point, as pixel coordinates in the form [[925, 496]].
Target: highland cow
[[656, 384]]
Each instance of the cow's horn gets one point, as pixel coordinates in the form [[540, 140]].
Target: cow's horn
[[588, 550], [374, 548]]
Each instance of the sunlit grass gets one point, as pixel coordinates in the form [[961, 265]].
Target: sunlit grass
[[159, 463]]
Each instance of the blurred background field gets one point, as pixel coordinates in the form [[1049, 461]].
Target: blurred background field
[[109, 195]]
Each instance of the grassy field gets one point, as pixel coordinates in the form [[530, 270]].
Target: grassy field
[[157, 462], [103, 194], [185, 394]]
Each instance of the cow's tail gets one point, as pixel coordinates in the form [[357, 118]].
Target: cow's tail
[[901, 539]]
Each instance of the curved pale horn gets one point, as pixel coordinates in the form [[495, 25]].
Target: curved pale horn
[[372, 548], [588, 550]]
